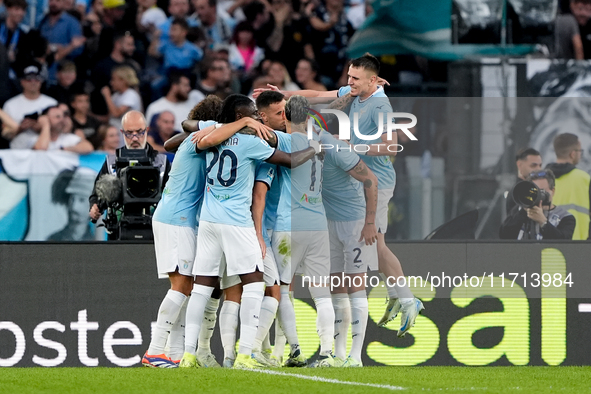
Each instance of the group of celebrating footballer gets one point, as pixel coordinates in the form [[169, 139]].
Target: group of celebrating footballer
[[253, 199]]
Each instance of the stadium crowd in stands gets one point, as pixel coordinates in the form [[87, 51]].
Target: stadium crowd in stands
[[102, 58]]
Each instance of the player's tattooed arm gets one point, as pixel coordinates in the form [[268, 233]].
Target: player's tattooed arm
[[247, 131], [342, 103], [271, 138], [291, 160], [370, 187]]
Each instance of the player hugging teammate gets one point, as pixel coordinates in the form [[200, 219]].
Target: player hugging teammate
[[267, 205]]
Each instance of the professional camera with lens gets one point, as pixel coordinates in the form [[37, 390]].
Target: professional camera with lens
[[528, 195], [130, 216]]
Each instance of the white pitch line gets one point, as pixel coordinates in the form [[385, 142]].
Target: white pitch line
[[326, 380]]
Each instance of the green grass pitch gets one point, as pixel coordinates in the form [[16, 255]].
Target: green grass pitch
[[326, 381]]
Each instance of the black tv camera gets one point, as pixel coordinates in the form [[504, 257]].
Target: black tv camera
[[130, 216]]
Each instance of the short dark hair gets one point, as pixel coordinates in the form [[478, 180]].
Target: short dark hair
[[244, 26], [296, 109], [16, 3], [76, 93], [546, 174], [175, 76], [182, 22], [367, 62], [267, 98], [523, 153], [564, 144], [231, 105], [46, 110], [120, 34]]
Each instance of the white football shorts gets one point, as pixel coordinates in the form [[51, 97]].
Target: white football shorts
[[175, 248], [347, 254], [384, 197], [307, 252], [239, 246]]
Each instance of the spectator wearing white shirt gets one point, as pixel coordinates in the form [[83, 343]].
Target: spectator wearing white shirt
[[124, 97], [25, 107], [177, 101], [51, 136], [149, 16]]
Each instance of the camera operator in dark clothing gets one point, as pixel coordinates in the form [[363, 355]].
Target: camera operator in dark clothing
[[135, 133], [542, 220]]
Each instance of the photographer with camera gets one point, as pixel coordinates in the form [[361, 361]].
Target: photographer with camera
[[130, 183], [527, 160], [534, 216]]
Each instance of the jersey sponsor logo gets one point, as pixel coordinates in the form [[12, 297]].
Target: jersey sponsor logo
[[219, 197], [311, 200]]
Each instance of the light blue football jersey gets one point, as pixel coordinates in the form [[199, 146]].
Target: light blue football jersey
[[202, 125], [283, 217], [273, 201], [265, 173], [343, 196], [183, 194], [369, 110], [275, 190], [230, 179], [305, 191]]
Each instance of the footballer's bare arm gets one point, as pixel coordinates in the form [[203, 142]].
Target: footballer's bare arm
[[370, 187], [291, 160]]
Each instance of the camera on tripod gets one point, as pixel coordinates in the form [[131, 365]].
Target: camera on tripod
[[528, 195], [131, 195]]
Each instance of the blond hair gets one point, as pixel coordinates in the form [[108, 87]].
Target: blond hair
[[127, 74]]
